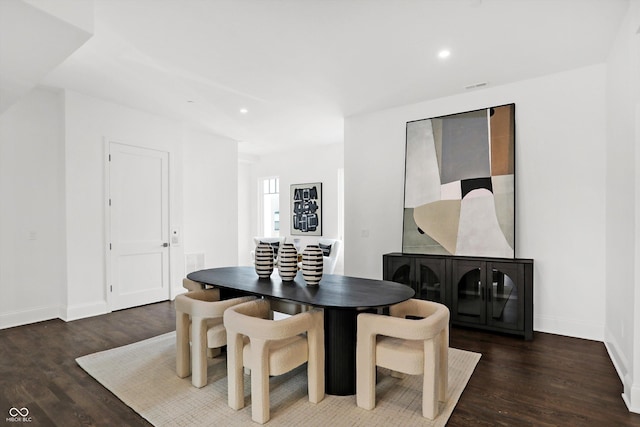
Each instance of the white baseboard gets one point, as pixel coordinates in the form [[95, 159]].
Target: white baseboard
[[632, 400], [617, 357], [568, 327], [67, 314], [631, 392], [31, 315], [82, 311]]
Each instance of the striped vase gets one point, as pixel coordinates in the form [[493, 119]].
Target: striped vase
[[312, 264], [288, 262], [264, 260]]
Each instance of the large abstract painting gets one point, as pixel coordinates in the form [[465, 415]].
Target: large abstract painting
[[460, 184], [306, 209]]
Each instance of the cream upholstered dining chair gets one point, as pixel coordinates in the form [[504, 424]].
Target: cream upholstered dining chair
[[271, 347], [191, 285], [199, 322], [408, 345]]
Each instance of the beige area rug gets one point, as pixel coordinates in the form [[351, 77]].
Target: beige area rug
[[143, 376]]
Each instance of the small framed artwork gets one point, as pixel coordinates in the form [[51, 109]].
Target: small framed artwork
[[306, 209]]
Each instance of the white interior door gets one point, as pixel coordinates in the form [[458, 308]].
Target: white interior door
[[138, 226]]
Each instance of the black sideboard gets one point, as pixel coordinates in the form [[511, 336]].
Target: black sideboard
[[494, 294]]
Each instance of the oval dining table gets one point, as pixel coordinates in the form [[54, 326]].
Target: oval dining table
[[340, 297]]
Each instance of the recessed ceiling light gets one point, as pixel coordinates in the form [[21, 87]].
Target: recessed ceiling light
[[444, 54], [244, 111]]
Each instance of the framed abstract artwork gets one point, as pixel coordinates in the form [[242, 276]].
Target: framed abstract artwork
[[306, 209], [459, 195]]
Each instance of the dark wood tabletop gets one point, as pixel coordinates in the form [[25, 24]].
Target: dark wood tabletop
[[334, 291]]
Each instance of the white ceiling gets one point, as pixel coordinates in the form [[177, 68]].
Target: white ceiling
[[301, 66], [28, 55]]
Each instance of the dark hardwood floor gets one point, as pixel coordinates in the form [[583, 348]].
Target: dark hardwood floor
[[550, 381], [38, 369]]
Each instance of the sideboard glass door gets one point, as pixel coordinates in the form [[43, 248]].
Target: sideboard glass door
[[469, 293], [400, 270], [430, 279], [506, 302]]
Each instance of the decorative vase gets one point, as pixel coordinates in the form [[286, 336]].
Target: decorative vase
[[288, 262], [264, 260], [312, 265]]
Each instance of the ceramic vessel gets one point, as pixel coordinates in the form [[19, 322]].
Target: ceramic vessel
[[264, 260], [312, 264], [288, 262]]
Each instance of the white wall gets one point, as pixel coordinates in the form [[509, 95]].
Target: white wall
[[210, 198], [203, 198], [560, 190], [247, 210], [52, 187], [622, 334], [32, 225], [317, 164], [90, 124]]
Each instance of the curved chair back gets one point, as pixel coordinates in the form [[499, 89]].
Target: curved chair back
[[199, 316], [408, 345], [190, 285], [268, 347]]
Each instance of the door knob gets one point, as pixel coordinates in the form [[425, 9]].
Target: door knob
[[165, 245]]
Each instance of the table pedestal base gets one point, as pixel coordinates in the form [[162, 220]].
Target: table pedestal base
[[340, 331]]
